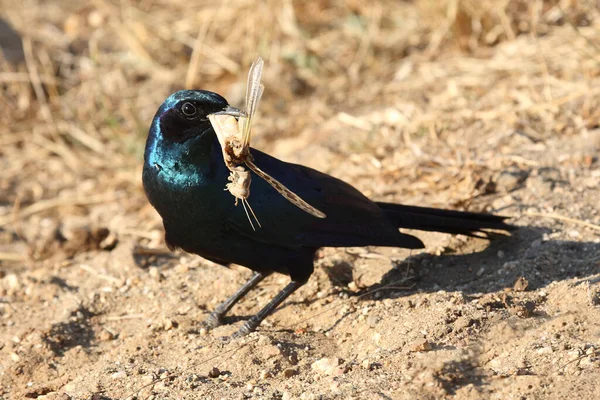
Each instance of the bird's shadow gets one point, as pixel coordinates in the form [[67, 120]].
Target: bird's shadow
[[487, 267], [525, 254], [497, 267]]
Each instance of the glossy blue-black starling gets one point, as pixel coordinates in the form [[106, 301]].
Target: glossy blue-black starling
[[184, 178]]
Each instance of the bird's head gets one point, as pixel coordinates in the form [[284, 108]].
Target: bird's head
[[184, 115], [181, 138]]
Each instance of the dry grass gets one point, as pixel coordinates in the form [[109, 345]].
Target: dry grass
[[76, 111]]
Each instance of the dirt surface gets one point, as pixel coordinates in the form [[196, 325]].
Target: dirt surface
[[451, 105]]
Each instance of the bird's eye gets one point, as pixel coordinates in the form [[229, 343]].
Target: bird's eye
[[188, 109]]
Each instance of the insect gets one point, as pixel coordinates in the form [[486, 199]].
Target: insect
[[234, 129]]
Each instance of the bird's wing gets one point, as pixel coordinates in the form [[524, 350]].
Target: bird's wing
[[352, 219]]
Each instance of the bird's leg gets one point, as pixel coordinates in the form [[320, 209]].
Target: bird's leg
[[215, 317], [255, 321]]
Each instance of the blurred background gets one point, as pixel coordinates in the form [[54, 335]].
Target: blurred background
[[485, 105], [81, 82]]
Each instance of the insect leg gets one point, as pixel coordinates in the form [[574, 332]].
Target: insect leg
[[247, 215], [252, 211]]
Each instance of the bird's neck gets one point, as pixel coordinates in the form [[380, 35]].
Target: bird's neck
[[180, 174]]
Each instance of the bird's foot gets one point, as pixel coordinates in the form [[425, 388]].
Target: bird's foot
[[244, 330], [214, 319]]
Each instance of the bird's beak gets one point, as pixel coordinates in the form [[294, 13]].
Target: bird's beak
[[234, 112]]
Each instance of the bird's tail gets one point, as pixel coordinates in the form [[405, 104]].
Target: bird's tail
[[447, 221]]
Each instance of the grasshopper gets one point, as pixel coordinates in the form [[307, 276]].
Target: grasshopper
[[234, 130]]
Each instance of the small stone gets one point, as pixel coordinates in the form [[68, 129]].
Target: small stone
[[352, 286], [257, 391], [328, 366], [508, 181], [109, 242], [286, 396], [421, 346], [264, 374], [574, 354], [372, 321], [169, 324], [289, 372], [377, 337], [521, 284], [214, 372], [119, 375], [155, 274], [270, 351], [524, 309], [540, 186], [182, 268], [15, 357], [106, 335], [12, 281]]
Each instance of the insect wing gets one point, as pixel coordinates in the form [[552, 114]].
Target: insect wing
[[254, 92], [285, 192]]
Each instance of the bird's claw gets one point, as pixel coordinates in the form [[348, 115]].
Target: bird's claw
[[243, 331], [214, 319], [225, 339]]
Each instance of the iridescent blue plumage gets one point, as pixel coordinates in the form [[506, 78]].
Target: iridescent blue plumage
[[185, 176]]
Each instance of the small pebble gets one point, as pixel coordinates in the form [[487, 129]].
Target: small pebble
[[106, 335], [521, 284], [372, 321], [119, 375], [169, 324], [510, 180], [328, 366], [155, 274], [264, 374], [421, 346]]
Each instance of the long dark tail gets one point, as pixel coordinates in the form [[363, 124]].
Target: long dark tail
[[447, 221]]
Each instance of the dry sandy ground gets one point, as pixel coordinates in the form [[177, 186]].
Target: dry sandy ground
[[92, 306]]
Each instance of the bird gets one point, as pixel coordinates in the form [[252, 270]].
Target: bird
[[184, 177]]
